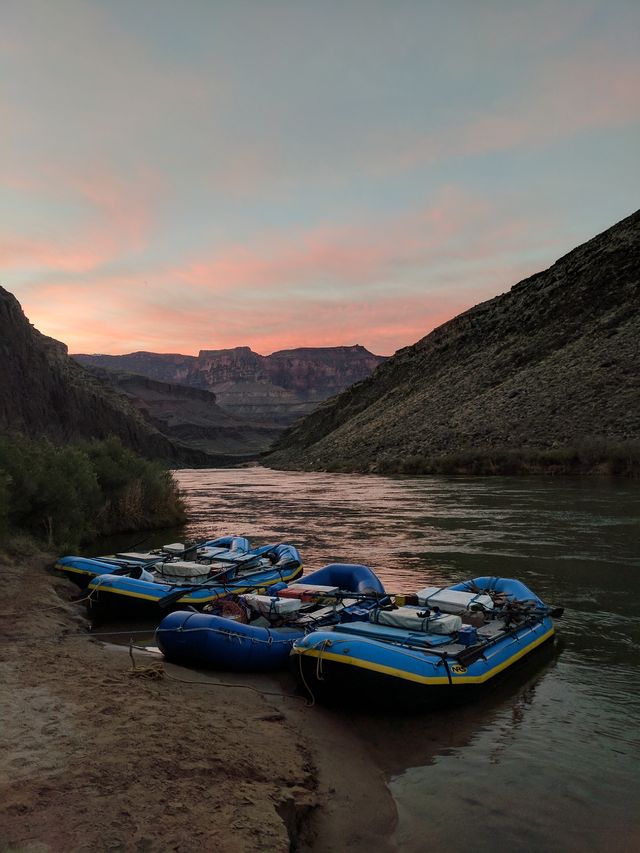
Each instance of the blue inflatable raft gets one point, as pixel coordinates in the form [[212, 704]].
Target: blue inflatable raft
[[178, 584], [337, 593], [81, 570], [444, 646]]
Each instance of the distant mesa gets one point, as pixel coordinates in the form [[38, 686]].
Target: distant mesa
[[189, 415], [217, 408], [544, 377], [265, 393]]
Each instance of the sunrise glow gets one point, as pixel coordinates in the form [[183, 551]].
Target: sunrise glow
[[179, 177]]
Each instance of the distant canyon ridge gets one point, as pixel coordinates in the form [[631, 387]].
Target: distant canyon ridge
[[233, 401], [217, 408], [545, 377]]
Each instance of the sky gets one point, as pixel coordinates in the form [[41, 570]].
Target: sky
[[282, 173]]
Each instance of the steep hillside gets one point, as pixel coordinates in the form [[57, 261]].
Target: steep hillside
[[271, 390], [189, 415], [45, 393], [549, 367]]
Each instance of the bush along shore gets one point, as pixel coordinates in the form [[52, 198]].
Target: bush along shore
[[617, 460], [64, 496], [592, 458]]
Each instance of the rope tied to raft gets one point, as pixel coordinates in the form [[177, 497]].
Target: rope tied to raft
[[323, 645], [312, 698], [154, 671]]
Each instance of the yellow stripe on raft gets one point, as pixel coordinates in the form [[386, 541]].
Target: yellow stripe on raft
[[186, 599], [183, 599], [424, 679], [62, 568]]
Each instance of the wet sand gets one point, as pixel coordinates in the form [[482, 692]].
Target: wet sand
[[97, 756]]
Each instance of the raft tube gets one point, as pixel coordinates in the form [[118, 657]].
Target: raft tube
[[81, 570], [215, 641], [118, 593], [381, 666]]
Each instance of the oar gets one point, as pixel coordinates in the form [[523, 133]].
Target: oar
[[162, 558], [176, 595], [384, 599], [193, 548]]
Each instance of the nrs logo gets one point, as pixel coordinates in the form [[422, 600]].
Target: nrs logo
[[458, 669]]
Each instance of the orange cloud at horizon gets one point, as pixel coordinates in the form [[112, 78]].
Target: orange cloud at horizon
[[111, 324], [383, 284], [382, 327]]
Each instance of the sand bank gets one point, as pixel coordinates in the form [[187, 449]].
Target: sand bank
[[97, 758]]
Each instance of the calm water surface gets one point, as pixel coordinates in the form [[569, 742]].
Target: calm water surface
[[551, 761]]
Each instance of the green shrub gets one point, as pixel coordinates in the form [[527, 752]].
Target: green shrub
[[65, 495], [594, 457], [53, 492], [137, 493]]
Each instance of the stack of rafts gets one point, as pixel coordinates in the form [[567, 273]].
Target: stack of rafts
[[165, 578], [258, 631], [231, 606]]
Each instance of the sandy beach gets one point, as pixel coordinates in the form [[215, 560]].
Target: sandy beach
[[101, 756]]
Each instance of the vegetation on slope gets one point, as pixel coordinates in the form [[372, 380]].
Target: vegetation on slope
[[63, 496], [545, 377], [45, 393], [618, 460]]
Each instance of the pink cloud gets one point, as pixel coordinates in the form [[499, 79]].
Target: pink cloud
[[593, 92], [351, 255], [110, 217], [99, 322], [590, 90], [124, 204], [383, 327], [256, 300], [25, 253]]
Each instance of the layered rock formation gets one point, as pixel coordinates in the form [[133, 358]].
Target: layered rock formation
[[189, 415], [44, 392], [552, 365], [269, 391]]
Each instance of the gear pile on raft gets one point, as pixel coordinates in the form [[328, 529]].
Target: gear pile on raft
[[230, 606]]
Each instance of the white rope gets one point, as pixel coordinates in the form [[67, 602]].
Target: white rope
[[233, 634]]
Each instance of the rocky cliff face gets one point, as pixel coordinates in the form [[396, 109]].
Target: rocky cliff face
[[189, 415], [552, 364], [271, 390], [44, 392]]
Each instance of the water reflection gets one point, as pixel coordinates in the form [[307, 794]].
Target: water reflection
[[406, 740], [547, 761]]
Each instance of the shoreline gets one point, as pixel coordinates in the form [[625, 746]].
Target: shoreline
[[98, 757]]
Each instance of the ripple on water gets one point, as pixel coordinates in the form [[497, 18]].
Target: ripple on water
[[547, 761]]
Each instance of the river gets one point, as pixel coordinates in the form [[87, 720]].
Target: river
[[550, 760]]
